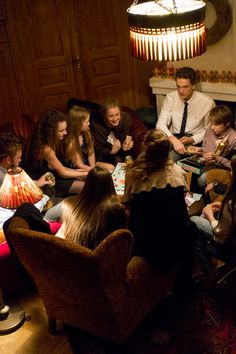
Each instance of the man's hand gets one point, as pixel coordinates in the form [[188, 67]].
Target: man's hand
[[43, 180], [177, 145], [209, 187], [210, 157], [186, 140]]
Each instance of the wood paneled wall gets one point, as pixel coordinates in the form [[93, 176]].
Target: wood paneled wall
[[56, 49]]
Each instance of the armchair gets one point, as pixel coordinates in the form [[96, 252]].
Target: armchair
[[103, 291]]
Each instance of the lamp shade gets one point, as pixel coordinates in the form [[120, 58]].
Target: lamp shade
[[18, 188], [167, 30]]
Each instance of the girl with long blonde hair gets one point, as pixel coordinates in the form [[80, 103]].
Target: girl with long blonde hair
[[89, 218], [79, 141]]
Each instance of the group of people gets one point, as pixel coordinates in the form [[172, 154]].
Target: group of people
[[153, 206], [195, 125], [64, 145]]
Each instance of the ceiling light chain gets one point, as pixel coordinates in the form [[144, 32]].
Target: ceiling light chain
[[174, 10]]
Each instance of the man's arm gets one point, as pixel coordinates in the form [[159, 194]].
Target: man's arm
[[164, 122], [165, 116]]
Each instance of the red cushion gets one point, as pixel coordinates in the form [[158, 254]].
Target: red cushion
[[54, 226], [4, 250]]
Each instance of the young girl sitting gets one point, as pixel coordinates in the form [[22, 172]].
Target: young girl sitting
[[43, 154], [79, 141], [89, 218]]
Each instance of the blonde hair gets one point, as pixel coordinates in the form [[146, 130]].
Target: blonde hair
[[85, 217], [75, 118]]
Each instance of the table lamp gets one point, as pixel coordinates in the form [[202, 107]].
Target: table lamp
[[18, 188]]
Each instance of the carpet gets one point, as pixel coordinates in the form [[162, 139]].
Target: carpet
[[204, 325]]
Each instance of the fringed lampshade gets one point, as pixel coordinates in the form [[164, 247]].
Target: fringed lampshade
[[167, 30], [18, 188]]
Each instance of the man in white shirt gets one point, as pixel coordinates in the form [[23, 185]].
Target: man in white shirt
[[196, 106]]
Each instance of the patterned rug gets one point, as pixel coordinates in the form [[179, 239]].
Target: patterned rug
[[206, 325]]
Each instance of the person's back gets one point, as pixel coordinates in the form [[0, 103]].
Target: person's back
[[154, 193], [92, 216], [184, 115]]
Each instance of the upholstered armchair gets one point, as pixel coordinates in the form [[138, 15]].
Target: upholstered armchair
[[104, 292]]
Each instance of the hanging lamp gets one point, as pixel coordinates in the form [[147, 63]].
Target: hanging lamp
[[167, 30]]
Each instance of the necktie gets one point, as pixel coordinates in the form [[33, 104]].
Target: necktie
[[184, 120]]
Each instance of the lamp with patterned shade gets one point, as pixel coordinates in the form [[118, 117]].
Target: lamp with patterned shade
[[18, 188]]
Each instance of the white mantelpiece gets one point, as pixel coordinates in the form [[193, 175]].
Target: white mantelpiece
[[218, 91]]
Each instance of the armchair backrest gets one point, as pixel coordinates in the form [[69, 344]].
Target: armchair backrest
[[104, 291], [77, 285]]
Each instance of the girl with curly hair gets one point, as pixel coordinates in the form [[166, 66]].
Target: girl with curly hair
[[43, 153]]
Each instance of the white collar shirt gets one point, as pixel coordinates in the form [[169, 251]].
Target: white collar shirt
[[170, 118]]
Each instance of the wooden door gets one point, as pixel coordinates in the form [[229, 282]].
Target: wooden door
[[102, 30], [44, 56], [9, 94]]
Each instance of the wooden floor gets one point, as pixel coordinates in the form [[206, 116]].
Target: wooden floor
[[33, 337]]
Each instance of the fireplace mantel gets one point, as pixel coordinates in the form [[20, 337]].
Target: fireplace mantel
[[218, 91]]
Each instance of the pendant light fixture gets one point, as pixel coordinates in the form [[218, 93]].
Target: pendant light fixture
[[167, 30]]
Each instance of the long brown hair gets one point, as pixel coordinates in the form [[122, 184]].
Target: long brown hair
[[84, 217], [45, 133], [154, 156], [76, 117]]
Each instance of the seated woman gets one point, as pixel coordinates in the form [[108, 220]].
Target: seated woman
[[89, 218], [78, 142], [111, 131], [158, 216], [86, 219], [43, 154], [219, 142], [219, 232]]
